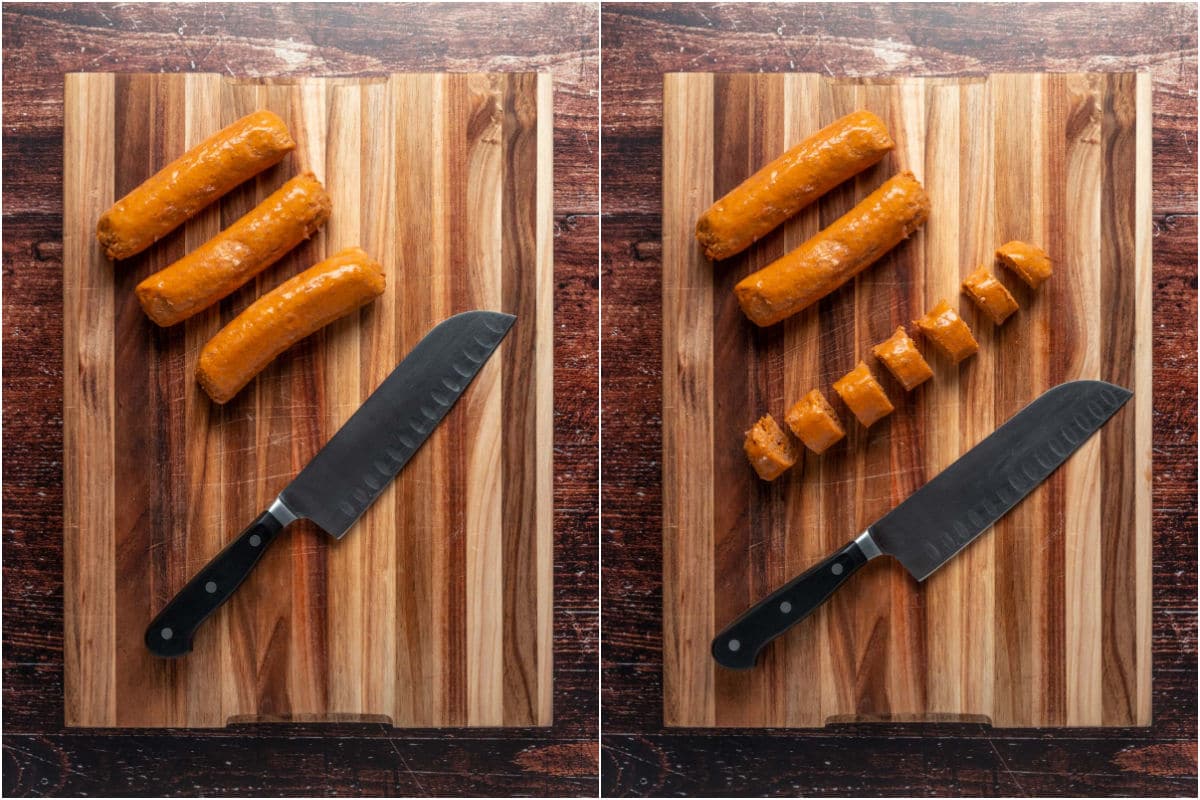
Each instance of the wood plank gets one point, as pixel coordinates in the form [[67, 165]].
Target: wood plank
[[939, 419], [851, 634], [1010, 632], [1118, 446], [204, 475], [447, 180], [804, 511], [687, 375], [1074, 119], [1143, 361], [519, 287], [976, 415], [885, 298], [88, 312], [343, 393], [543, 371], [146, 529], [1020, 534], [418, 177], [485, 566], [378, 344]]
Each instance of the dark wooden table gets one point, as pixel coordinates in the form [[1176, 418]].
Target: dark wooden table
[[640, 42], [41, 42]]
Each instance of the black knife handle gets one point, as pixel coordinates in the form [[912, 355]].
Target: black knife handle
[[738, 645], [170, 634]]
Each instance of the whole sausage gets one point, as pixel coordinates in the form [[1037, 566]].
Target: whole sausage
[[178, 191], [285, 315], [238, 253], [792, 181], [835, 255]]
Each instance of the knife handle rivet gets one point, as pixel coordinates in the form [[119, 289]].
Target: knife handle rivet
[[785, 607], [167, 633], [838, 569], [735, 645], [255, 540], [210, 587]]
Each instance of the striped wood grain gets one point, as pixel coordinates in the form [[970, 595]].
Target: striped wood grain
[[1045, 620], [436, 610]]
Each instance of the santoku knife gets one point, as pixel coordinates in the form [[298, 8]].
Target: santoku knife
[[350, 471], [943, 516]]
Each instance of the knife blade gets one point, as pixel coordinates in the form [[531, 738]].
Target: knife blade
[[350, 471], [942, 517]]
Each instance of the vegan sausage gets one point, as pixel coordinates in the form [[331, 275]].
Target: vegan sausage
[[815, 423], [178, 191], [835, 255], [902, 358], [769, 449], [946, 329], [284, 316], [863, 395], [989, 295], [792, 181], [1029, 261], [238, 253]]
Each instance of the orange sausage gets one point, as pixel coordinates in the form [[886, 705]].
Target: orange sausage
[[792, 181], [277, 320], [990, 295], [769, 449], [862, 393], [178, 191], [815, 423], [1029, 261], [238, 253], [902, 358], [946, 329], [835, 255]]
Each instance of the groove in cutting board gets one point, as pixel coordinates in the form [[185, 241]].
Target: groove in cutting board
[[1045, 620], [435, 611]]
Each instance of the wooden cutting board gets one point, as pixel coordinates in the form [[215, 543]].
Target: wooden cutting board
[[436, 609], [1044, 621]]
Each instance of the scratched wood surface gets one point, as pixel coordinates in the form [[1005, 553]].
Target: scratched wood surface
[[436, 610], [1046, 620]]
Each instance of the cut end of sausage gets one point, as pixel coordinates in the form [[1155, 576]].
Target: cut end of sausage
[[863, 395], [948, 332], [1028, 261], [769, 449], [109, 240]]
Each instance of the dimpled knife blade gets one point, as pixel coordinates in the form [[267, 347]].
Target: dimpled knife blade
[[349, 472], [966, 498], [942, 517], [361, 459]]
